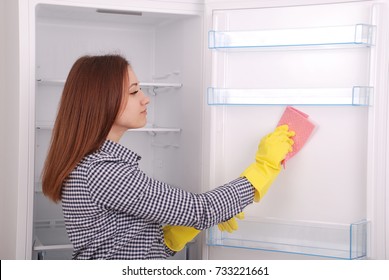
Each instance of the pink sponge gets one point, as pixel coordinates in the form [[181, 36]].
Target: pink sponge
[[299, 123]]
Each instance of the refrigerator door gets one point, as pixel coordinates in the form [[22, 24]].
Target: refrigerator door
[[318, 59]]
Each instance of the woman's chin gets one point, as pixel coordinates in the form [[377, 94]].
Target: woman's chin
[[142, 125]]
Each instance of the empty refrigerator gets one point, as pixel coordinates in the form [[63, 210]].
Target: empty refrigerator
[[157, 46], [219, 75]]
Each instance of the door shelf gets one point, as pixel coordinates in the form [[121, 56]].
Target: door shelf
[[339, 241], [355, 96], [332, 36]]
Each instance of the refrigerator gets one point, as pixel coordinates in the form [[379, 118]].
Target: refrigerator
[[219, 75]]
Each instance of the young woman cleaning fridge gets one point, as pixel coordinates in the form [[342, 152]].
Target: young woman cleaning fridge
[[112, 209]]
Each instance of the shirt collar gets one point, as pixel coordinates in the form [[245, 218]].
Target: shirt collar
[[119, 151]]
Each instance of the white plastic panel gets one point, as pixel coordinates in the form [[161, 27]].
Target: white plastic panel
[[325, 181]]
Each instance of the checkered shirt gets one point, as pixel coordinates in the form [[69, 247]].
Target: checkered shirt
[[112, 210]]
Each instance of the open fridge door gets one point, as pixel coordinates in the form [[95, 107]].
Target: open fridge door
[[322, 60]]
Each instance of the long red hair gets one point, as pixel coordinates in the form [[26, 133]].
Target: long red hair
[[90, 102]]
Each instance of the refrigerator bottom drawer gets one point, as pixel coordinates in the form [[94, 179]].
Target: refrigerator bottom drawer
[[339, 241]]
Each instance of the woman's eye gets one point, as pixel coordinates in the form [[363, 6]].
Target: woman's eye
[[134, 92]]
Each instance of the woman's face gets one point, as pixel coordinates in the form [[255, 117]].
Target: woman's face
[[133, 111]]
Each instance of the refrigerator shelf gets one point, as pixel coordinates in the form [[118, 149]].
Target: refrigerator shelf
[[161, 85], [355, 96], [155, 129], [51, 235], [39, 246], [350, 35], [59, 82], [151, 129], [339, 241], [50, 82]]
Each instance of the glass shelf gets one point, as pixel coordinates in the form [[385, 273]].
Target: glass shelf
[[339, 241], [161, 85], [150, 129], [155, 129], [355, 96], [58, 82], [50, 82], [51, 235], [352, 35]]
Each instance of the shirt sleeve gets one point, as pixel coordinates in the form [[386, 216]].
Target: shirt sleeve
[[119, 186]]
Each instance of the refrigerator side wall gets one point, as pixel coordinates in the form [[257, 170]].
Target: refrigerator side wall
[[9, 124]]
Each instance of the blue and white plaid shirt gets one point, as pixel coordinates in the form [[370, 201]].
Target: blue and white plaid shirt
[[113, 210]]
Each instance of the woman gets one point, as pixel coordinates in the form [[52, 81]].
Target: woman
[[112, 210]]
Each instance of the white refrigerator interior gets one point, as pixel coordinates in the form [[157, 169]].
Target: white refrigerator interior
[[317, 58], [165, 53]]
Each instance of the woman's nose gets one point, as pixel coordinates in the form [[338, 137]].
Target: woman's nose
[[145, 98]]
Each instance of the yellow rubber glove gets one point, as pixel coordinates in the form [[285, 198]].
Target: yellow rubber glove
[[231, 225], [176, 237], [271, 151]]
